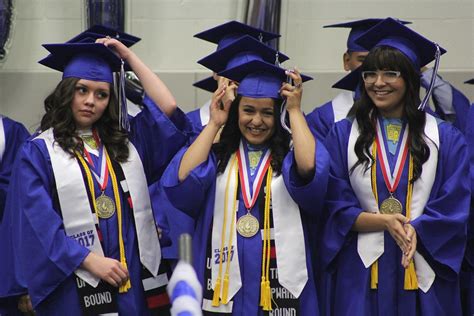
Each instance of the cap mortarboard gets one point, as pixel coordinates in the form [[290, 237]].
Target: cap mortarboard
[[390, 32], [99, 31], [228, 32], [89, 61], [470, 81], [259, 79], [208, 84], [241, 51], [358, 27], [350, 81]]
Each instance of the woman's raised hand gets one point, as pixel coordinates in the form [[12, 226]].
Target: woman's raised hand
[[292, 93], [118, 47]]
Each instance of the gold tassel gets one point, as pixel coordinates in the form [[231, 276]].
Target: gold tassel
[[217, 291], [411, 281], [374, 275], [268, 297], [225, 290], [262, 292]]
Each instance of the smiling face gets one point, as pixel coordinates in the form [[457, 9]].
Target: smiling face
[[91, 98], [256, 119], [387, 97]]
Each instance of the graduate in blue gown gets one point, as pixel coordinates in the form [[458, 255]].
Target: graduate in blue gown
[[252, 254], [467, 271], [12, 136], [233, 40], [83, 223], [396, 231]]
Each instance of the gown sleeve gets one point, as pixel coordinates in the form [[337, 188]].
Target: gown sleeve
[[190, 194], [15, 135], [342, 205], [39, 228], [321, 120], [308, 194], [158, 137], [441, 229]]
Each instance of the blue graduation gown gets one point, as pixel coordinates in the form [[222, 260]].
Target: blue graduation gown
[[467, 272], [441, 235], [15, 134], [47, 257], [451, 104], [195, 196]]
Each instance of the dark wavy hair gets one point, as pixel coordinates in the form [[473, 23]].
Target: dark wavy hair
[[230, 137], [388, 58], [59, 116]]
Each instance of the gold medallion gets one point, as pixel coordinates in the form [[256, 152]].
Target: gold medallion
[[391, 206], [105, 206], [248, 225]]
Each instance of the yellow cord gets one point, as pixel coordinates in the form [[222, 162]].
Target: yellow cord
[[125, 287], [265, 290], [410, 281]]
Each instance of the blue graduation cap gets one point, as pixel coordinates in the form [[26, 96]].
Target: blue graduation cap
[[470, 81], [358, 27], [208, 84], [226, 33], [99, 31], [243, 50], [350, 81], [91, 61], [258, 79], [418, 49]]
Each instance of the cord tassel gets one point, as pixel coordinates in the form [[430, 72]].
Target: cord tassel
[[225, 289], [411, 281], [217, 291]]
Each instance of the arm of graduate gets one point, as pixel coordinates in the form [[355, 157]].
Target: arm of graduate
[[15, 134], [450, 103], [47, 256], [152, 84], [441, 229], [193, 169], [158, 137]]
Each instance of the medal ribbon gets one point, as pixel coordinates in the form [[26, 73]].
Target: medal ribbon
[[390, 181], [102, 174], [250, 197], [124, 287]]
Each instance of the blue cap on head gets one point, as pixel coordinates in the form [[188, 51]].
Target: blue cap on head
[[470, 81], [228, 32], [99, 31], [258, 79], [390, 32], [208, 84], [89, 61], [358, 28], [243, 50], [350, 81]]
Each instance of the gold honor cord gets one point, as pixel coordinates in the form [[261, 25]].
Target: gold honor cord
[[125, 287], [265, 291], [411, 282], [217, 288]]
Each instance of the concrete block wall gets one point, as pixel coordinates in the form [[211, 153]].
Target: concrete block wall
[[167, 27]]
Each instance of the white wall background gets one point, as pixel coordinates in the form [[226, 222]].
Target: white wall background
[[167, 26]]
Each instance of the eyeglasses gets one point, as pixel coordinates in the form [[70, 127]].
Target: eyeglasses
[[388, 76]]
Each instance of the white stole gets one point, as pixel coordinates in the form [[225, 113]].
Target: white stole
[[288, 229], [77, 216], [204, 113], [370, 246], [341, 105]]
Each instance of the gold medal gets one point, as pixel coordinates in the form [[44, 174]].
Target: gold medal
[[248, 225], [105, 206], [391, 206]]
